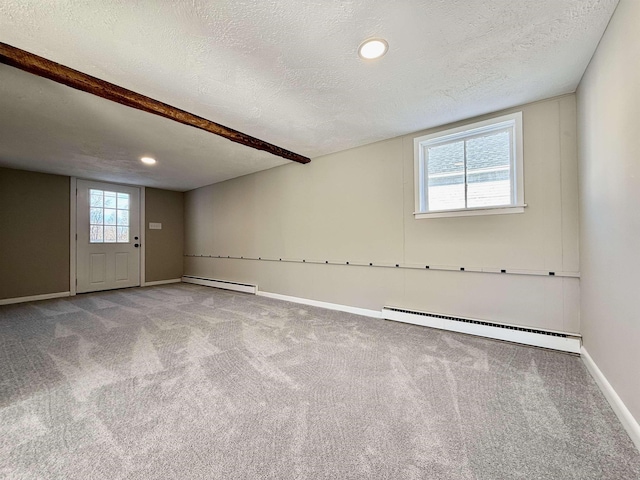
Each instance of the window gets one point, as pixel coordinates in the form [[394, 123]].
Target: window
[[108, 217], [471, 170]]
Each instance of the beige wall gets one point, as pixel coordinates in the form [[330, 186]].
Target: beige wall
[[609, 112], [357, 206], [34, 233], [164, 248]]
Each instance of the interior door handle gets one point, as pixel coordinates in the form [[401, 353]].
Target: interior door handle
[[136, 245]]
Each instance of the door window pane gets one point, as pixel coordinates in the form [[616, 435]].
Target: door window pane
[[123, 201], [110, 234], [123, 218], [95, 216], [96, 198], [109, 216], [123, 234], [96, 234], [110, 199]]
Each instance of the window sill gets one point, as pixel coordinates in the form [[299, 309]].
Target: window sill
[[469, 212]]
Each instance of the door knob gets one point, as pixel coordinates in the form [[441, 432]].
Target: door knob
[[136, 245]]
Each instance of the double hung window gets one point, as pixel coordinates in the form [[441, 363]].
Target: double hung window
[[471, 170]]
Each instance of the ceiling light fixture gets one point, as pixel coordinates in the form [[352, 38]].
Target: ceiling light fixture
[[373, 48], [148, 160]]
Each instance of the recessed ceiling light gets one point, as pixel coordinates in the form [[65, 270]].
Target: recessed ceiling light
[[373, 48], [148, 160]]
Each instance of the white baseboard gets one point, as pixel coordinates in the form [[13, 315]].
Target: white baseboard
[[162, 282], [34, 298], [571, 344], [224, 284], [629, 423], [499, 332], [317, 303]]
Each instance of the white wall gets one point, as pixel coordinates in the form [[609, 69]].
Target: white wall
[[357, 206], [609, 128]]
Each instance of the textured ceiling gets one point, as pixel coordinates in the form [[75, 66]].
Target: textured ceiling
[[287, 71], [48, 127]]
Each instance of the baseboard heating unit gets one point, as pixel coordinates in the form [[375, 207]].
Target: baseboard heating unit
[[210, 282], [565, 342]]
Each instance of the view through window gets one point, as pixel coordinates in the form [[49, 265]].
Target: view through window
[[108, 217]]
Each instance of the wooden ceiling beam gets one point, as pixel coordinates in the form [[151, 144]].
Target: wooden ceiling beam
[[42, 67]]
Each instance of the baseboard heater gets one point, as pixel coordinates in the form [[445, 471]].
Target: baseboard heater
[[224, 284], [565, 342]]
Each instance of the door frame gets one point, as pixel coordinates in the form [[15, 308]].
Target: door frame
[[73, 210]]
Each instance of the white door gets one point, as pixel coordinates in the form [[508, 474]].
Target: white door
[[108, 236]]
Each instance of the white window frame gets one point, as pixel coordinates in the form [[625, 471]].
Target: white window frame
[[512, 121]]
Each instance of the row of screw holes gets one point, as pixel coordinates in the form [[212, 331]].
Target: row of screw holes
[[371, 264]]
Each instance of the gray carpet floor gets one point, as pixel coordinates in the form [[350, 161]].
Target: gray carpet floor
[[189, 382]]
